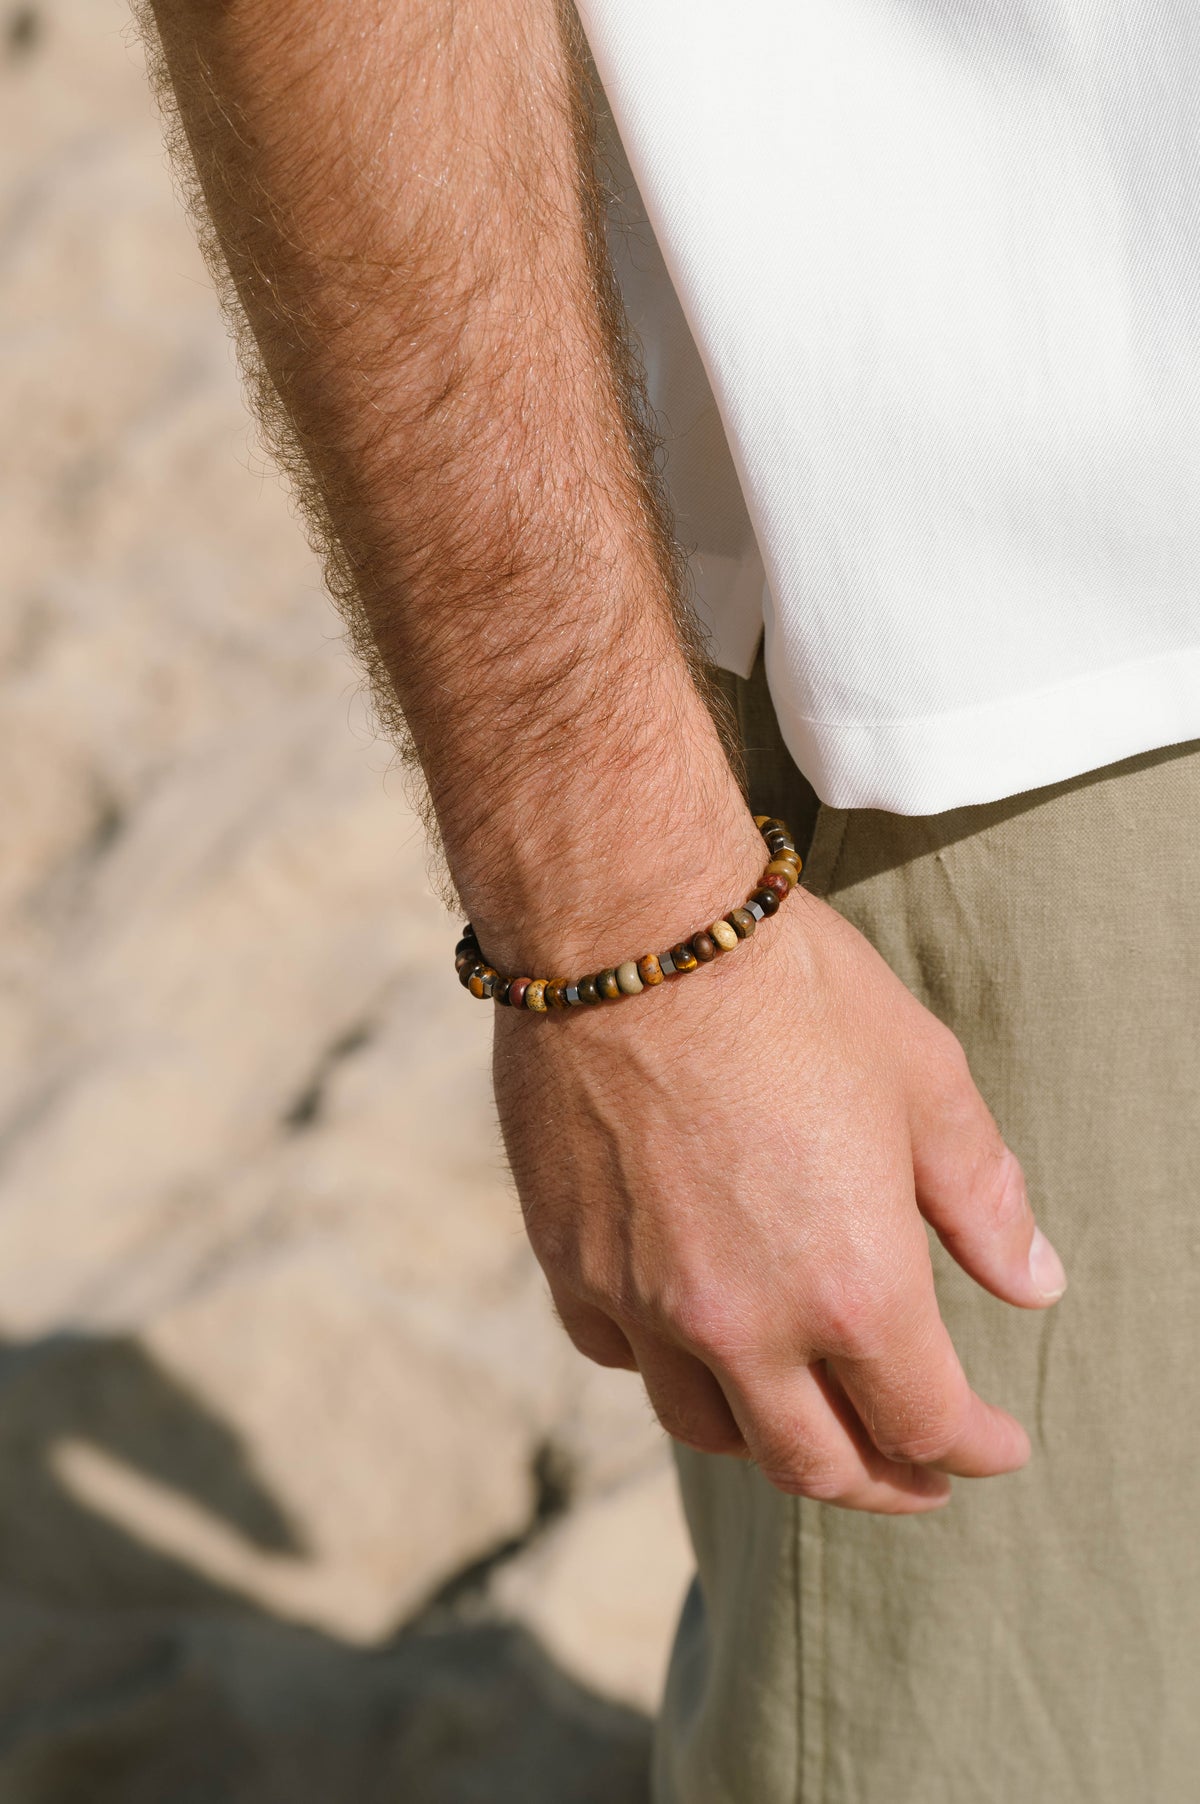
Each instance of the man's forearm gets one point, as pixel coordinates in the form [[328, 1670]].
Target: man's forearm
[[400, 197]]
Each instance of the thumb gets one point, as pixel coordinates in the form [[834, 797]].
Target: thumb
[[971, 1190]]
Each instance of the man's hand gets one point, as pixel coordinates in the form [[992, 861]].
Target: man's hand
[[725, 1181]]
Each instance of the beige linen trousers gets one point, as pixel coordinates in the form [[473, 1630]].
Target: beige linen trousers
[[1038, 1641]]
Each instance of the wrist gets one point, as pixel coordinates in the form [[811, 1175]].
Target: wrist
[[587, 893]]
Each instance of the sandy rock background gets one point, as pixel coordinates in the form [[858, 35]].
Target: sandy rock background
[[303, 1495]]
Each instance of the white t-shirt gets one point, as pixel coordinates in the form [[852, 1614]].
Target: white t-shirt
[[925, 336]]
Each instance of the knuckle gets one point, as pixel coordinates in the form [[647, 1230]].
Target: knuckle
[[920, 1443], [846, 1310], [700, 1434], [701, 1320], [998, 1187], [948, 1057], [822, 1481]]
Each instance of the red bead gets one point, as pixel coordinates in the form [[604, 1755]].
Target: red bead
[[772, 880], [516, 991]]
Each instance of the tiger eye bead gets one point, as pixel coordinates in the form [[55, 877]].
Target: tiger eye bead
[[784, 867], [588, 992], [683, 958], [466, 944], [742, 922], [535, 996], [724, 935], [500, 991], [556, 992], [767, 900], [606, 983], [516, 991], [467, 971], [649, 969], [627, 978], [705, 947], [481, 980], [777, 881]]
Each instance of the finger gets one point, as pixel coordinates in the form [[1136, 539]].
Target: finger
[[912, 1396], [595, 1334], [686, 1397], [806, 1439], [971, 1190]]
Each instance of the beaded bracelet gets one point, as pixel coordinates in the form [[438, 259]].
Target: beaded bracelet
[[542, 993]]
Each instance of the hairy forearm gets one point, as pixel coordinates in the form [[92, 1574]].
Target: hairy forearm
[[400, 195]]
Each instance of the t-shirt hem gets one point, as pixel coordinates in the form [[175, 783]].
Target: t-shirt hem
[[1000, 748]]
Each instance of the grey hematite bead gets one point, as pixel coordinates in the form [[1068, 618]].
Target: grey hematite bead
[[756, 909], [667, 962], [573, 994]]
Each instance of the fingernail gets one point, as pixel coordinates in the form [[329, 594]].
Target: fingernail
[[1046, 1268]]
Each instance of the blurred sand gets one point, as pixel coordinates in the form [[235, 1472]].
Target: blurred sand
[[303, 1496]]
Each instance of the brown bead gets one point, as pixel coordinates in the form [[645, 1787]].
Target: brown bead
[[516, 991], [467, 971], [466, 961], [607, 984], [783, 867], [767, 899], [742, 922], [649, 969], [705, 947], [588, 992], [500, 991], [482, 978], [768, 824], [467, 945], [556, 992], [683, 958]]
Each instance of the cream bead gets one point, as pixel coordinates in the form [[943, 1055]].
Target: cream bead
[[724, 935], [627, 978]]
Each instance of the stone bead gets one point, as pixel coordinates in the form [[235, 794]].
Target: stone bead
[[760, 821], [467, 972], [572, 995], [767, 899], [769, 823], [516, 991], [684, 958], [482, 979], [705, 947], [535, 996], [627, 978], [467, 945], [782, 867], [724, 935], [556, 992], [649, 969], [607, 984], [777, 881], [500, 991], [742, 922], [666, 964], [588, 990], [466, 961]]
